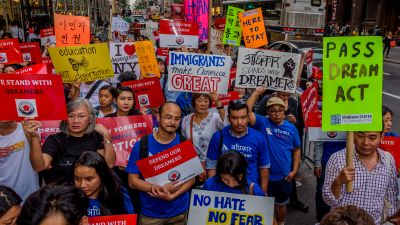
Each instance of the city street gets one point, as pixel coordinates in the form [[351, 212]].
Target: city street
[[391, 98]]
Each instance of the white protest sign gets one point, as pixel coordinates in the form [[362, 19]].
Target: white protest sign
[[216, 41], [120, 25], [210, 208], [123, 57], [316, 134], [198, 73], [277, 71]]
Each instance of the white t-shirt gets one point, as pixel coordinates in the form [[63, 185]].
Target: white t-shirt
[[15, 168], [202, 132], [94, 99]]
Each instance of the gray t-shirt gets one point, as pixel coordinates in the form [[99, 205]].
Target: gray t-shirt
[[15, 167]]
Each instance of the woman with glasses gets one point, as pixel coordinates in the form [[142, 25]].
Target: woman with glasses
[[79, 133]]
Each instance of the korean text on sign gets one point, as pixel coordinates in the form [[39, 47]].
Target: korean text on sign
[[233, 31], [71, 30], [147, 59]]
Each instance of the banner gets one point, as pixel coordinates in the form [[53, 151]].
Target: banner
[[40, 68], [33, 96], [309, 100], [275, 70], [392, 144], [124, 58], [10, 51], [352, 84], [71, 30], [190, 72], [233, 30], [83, 62], [125, 132], [197, 11], [176, 34], [177, 11], [252, 23], [219, 23], [31, 52], [148, 92], [147, 59], [48, 128], [210, 207], [127, 219], [216, 42], [47, 36], [120, 25], [179, 163]]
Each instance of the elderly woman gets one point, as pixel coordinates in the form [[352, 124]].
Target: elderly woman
[[79, 133]]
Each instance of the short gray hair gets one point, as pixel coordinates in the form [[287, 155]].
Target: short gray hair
[[72, 106]]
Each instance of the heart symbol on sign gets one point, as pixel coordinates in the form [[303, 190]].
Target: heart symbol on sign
[[129, 49]]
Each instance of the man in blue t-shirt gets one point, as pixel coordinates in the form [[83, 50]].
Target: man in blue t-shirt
[[239, 137], [166, 204], [283, 143]]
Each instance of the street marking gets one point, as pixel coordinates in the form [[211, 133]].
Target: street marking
[[391, 95], [387, 74]]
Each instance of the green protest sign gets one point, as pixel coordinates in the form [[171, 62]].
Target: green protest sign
[[232, 32], [352, 84]]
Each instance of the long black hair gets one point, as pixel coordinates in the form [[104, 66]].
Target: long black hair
[[235, 164], [121, 89], [8, 199], [109, 196]]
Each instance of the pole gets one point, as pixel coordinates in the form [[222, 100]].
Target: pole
[[5, 13], [349, 156], [209, 26]]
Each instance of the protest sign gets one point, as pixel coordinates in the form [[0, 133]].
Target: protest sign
[[49, 64], [10, 51], [175, 34], [31, 52], [314, 119], [48, 128], [309, 100], [127, 219], [47, 36], [33, 96], [392, 145], [309, 58], [219, 23], [177, 11], [190, 72], [125, 132], [148, 92], [119, 25], [216, 42], [352, 84], [40, 68], [210, 207], [147, 59], [197, 11], [71, 30], [179, 163], [275, 70], [83, 62], [124, 58], [233, 30], [226, 98], [252, 24], [315, 133]]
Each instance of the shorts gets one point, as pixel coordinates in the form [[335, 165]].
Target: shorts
[[280, 190]]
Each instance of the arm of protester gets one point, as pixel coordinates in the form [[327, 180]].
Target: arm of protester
[[164, 194], [212, 154], [264, 175], [264, 162], [220, 107], [318, 149], [391, 193], [251, 101], [295, 164], [135, 182], [108, 153], [143, 110], [74, 90]]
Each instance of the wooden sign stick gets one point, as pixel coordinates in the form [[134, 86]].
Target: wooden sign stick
[[349, 156]]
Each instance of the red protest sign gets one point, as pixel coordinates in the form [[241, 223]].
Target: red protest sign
[[225, 99], [47, 36], [48, 128], [392, 145], [220, 23], [71, 30], [177, 11], [31, 52], [232, 76], [309, 100], [34, 96], [40, 68], [314, 119], [127, 219], [125, 132], [49, 63], [178, 34], [179, 163], [148, 92], [10, 51]]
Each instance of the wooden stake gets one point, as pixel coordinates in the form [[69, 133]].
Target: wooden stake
[[349, 156]]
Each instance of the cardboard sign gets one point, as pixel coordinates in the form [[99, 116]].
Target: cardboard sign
[[316, 134], [40, 68], [220, 23], [125, 132], [83, 63], [33, 96], [392, 145], [176, 34], [352, 84], [275, 70], [252, 23], [226, 99], [210, 207], [48, 128], [10, 51], [71, 30], [233, 30], [120, 25], [197, 11], [147, 59], [127, 219], [31, 52], [124, 58], [190, 72], [177, 11], [216, 42], [47, 36], [309, 100], [148, 92], [179, 163]]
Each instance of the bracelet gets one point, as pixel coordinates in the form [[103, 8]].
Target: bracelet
[[220, 107], [108, 142]]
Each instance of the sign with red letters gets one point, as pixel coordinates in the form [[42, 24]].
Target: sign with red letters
[[33, 96], [31, 52], [40, 68], [128, 219], [175, 34], [148, 92], [10, 51]]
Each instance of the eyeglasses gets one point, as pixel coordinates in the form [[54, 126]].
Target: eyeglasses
[[79, 117], [274, 111], [171, 118]]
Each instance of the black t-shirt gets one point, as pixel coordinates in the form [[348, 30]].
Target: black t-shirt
[[65, 150]]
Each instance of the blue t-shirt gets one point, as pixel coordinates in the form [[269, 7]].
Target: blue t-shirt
[[391, 134], [252, 145], [94, 208], [281, 142], [215, 184], [155, 207]]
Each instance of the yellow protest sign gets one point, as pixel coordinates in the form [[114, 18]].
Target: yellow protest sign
[[252, 23], [147, 59], [83, 62]]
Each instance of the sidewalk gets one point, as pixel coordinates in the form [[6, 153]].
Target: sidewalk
[[394, 55]]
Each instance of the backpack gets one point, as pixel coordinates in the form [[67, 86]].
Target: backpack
[[144, 145]]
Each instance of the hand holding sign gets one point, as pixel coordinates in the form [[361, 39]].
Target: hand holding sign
[[31, 128]]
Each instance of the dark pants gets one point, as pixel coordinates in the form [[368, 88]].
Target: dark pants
[[387, 47], [320, 205]]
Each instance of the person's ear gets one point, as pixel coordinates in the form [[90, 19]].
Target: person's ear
[[84, 221]]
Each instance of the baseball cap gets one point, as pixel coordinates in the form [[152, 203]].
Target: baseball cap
[[275, 101]]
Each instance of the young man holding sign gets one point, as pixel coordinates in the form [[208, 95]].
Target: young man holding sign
[[166, 204]]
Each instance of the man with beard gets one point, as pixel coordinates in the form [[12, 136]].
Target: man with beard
[[166, 204]]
